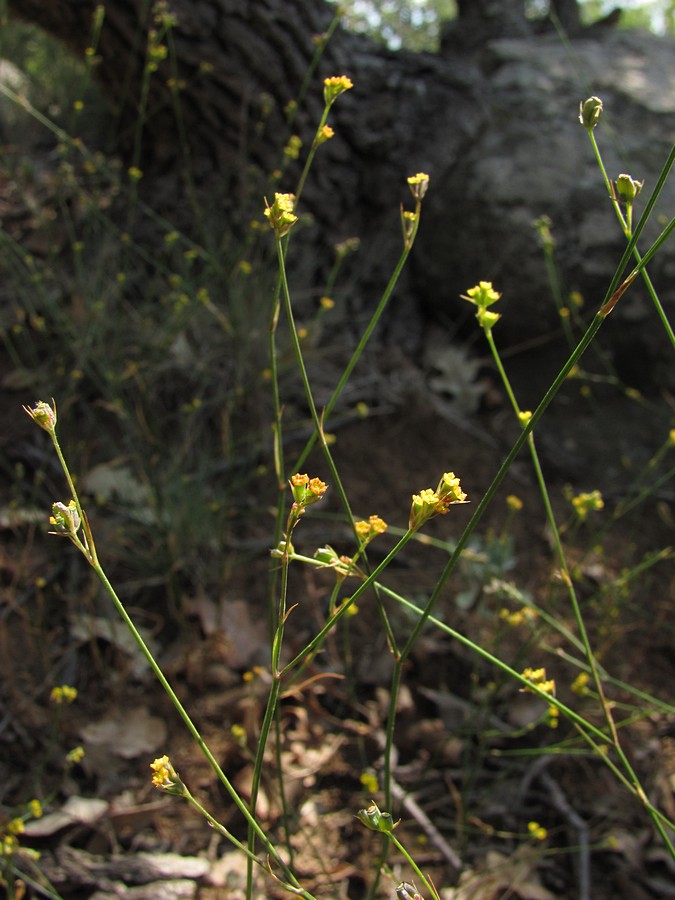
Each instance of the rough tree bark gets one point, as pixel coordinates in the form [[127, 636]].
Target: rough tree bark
[[494, 124]]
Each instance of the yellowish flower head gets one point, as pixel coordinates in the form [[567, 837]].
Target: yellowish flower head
[[280, 214], [587, 502], [63, 694], [483, 294], [334, 86], [418, 185]]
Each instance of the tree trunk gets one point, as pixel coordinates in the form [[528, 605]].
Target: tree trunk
[[494, 124]]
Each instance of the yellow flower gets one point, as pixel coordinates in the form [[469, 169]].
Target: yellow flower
[[539, 680], [368, 530], [515, 504], [483, 294], [418, 185], [165, 777], [16, 826], [585, 503], [324, 134], [369, 782], [35, 808], [63, 694], [537, 831], [75, 756], [580, 684], [280, 214], [334, 86], [306, 491], [292, 148]]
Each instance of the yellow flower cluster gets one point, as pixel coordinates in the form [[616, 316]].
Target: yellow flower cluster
[[280, 214], [64, 693], [537, 831], [585, 503], [418, 184], [165, 776], [370, 529], [539, 680], [306, 491], [430, 503], [519, 617], [334, 86]]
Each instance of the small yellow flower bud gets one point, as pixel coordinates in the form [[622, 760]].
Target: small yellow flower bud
[[292, 148], [75, 756], [580, 684], [324, 134], [537, 831], [369, 781], [515, 504]]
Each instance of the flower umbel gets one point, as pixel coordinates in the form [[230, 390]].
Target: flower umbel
[[280, 214], [538, 678], [63, 693], [428, 503], [482, 296], [165, 777], [334, 86], [370, 529], [306, 491], [418, 185], [588, 502]]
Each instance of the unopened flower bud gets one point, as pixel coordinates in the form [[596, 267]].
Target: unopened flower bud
[[589, 112], [405, 891], [375, 820], [43, 415], [627, 188], [65, 519]]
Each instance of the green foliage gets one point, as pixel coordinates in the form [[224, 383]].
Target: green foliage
[[416, 24]]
